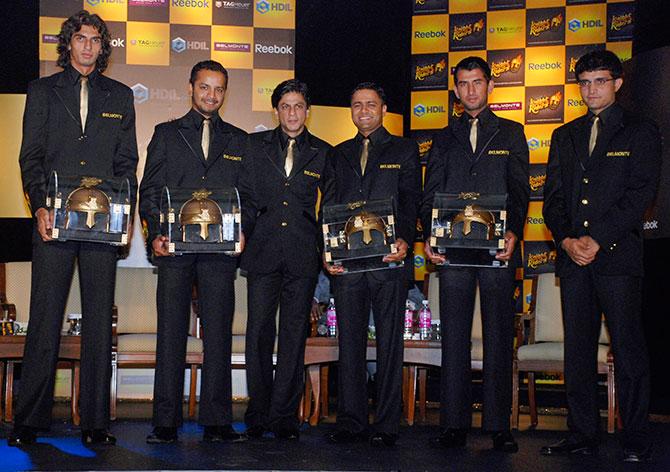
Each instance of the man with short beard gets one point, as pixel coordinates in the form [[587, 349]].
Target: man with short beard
[[76, 122], [198, 150]]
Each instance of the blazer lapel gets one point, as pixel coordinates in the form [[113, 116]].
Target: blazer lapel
[[98, 99], [303, 158], [219, 143], [191, 137], [64, 91], [270, 147], [462, 135], [579, 134]]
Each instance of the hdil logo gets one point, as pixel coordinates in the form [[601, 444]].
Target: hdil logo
[[263, 6], [420, 110], [419, 261], [575, 24], [534, 144], [140, 92], [178, 45], [93, 3]]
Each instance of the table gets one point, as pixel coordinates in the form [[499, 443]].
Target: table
[[322, 350], [11, 352]]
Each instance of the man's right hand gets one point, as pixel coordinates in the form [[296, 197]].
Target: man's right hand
[[160, 246], [45, 222], [332, 269], [437, 259], [578, 250]]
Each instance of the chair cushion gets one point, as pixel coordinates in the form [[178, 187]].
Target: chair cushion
[[147, 343], [552, 352]]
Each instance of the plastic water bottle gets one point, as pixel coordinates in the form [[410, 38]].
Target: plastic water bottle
[[409, 322], [424, 321], [331, 318]]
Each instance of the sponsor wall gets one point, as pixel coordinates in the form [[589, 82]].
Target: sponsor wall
[[156, 42], [532, 47]]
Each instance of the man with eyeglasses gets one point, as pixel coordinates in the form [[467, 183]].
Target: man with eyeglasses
[[602, 174]]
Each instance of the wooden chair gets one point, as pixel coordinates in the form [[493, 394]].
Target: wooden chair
[[11, 352], [134, 335], [543, 350]]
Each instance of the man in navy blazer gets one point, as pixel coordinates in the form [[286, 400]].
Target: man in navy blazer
[[391, 171], [483, 153], [282, 178], [198, 150], [602, 175], [79, 123]]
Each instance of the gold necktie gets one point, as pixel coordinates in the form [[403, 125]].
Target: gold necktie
[[594, 135], [83, 101], [288, 163], [205, 137], [364, 154], [473, 133]]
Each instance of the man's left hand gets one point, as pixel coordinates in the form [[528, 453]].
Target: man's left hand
[[401, 247], [510, 244]]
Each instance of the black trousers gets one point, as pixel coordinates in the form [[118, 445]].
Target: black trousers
[[273, 403], [215, 276], [52, 270], [585, 296], [354, 295], [457, 300]]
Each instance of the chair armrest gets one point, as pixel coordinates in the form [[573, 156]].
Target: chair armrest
[[115, 322]]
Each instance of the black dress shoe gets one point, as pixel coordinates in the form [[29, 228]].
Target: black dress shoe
[[343, 436], [383, 439], [570, 446], [287, 433], [637, 454], [215, 434], [162, 435], [97, 437], [450, 438], [255, 432], [503, 441], [21, 436]]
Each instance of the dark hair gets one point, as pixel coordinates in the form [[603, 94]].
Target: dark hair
[[369, 86], [288, 86], [73, 25], [599, 60], [207, 65], [472, 63]]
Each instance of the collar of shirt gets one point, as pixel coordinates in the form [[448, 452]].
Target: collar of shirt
[[74, 75], [299, 140], [605, 116], [197, 119], [484, 118], [375, 137]]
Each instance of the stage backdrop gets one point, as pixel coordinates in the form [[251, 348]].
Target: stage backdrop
[[532, 47]]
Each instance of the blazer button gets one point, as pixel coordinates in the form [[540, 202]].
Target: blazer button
[[284, 223], [82, 163], [586, 223], [287, 184], [204, 178], [285, 203], [585, 201], [585, 180]]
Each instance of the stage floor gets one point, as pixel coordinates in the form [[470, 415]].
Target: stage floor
[[62, 450]]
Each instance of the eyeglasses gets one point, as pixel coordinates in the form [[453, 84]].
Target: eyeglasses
[[599, 82]]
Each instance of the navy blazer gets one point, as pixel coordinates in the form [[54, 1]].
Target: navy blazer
[[499, 165], [279, 216], [175, 159], [606, 194], [393, 171], [53, 139]]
